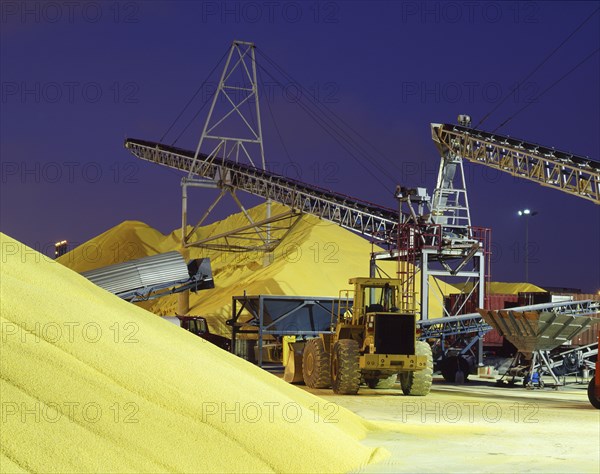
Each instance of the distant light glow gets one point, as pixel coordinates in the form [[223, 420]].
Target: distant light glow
[[526, 212]]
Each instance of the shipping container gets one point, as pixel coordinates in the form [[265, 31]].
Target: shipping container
[[499, 301], [534, 297], [492, 339], [458, 303]]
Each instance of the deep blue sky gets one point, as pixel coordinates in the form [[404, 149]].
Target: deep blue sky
[[79, 77]]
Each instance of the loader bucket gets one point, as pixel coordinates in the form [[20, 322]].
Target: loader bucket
[[293, 364]]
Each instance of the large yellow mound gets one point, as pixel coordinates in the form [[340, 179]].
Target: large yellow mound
[[316, 258], [92, 383], [126, 241], [506, 288]]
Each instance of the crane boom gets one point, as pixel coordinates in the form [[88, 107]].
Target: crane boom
[[565, 171]]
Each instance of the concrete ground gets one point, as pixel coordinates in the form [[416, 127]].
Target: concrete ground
[[479, 427]]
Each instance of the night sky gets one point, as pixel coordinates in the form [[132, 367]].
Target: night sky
[[79, 77]]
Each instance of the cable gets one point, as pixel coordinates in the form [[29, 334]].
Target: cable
[[335, 134], [193, 118], [547, 89], [289, 158], [194, 96], [326, 110], [329, 124], [485, 117]]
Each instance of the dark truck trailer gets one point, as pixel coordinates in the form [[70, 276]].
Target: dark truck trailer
[[197, 325]]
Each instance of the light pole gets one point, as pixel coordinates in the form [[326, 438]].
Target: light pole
[[527, 214]]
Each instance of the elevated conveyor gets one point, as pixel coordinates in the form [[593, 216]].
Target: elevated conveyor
[[153, 277], [368, 219], [567, 172]]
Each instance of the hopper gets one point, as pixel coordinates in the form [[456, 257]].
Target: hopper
[[535, 330], [543, 327]]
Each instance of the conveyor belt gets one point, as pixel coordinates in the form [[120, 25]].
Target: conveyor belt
[[153, 277], [453, 326], [369, 219], [476, 323], [561, 170]]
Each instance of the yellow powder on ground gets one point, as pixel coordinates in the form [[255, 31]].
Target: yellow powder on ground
[[92, 383], [316, 258]]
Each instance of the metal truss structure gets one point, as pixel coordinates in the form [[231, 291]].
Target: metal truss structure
[[572, 174], [450, 203], [452, 326], [235, 161], [452, 249], [234, 133], [376, 222], [572, 361], [460, 334]]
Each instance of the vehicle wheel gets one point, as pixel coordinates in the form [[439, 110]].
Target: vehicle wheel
[[450, 366], [594, 400], [419, 383], [345, 372], [315, 365]]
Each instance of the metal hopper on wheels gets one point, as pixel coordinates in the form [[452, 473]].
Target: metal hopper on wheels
[[536, 330]]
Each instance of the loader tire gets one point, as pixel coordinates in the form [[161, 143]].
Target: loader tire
[[455, 369], [315, 365], [419, 383], [594, 400], [345, 371]]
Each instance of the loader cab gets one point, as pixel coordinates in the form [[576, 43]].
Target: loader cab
[[374, 295], [386, 329]]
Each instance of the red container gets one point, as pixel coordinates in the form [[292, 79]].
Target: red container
[[495, 302], [493, 339], [457, 303], [499, 301]]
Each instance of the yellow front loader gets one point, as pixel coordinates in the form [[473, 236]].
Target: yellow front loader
[[372, 342]]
